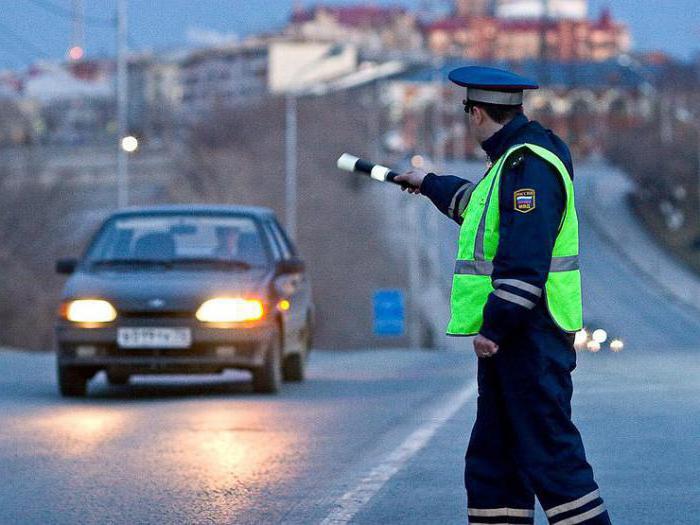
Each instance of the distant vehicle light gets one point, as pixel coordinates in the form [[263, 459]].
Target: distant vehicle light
[[230, 310], [581, 338], [600, 336], [90, 311], [593, 346], [616, 345]]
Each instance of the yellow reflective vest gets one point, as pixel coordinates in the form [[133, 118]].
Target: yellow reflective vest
[[478, 243]]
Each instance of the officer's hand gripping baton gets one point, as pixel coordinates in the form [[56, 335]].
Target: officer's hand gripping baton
[[353, 164]]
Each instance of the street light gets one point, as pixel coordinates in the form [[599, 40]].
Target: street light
[[290, 140], [130, 144], [122, 106], [76, 53]]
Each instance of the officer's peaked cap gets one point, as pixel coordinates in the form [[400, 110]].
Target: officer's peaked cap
[[491, 85]]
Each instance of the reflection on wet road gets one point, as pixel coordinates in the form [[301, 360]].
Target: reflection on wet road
[[193, 450]]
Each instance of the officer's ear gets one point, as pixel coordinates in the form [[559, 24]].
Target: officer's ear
[[477, 114]]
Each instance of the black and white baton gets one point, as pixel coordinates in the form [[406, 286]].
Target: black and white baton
[[353, 164]]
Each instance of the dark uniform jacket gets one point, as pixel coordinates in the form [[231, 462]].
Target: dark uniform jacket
[[526, 239]]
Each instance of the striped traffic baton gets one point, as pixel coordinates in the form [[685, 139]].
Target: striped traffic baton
[[353, 164]]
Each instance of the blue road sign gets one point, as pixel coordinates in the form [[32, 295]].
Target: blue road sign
[[389, 312]]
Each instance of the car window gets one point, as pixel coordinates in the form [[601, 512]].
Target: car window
[[281, 240], [283, 233], [274, 242], [176, 238]]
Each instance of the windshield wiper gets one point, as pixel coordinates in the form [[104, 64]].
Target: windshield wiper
[[132, 262], [228, 263]]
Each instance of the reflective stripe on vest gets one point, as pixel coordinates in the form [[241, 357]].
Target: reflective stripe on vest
[[478, 243], [559, 264]]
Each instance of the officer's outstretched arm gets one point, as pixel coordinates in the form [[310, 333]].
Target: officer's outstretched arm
[[532, 201], [448, 193]]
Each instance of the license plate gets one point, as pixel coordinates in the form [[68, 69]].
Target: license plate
[[154, 337]]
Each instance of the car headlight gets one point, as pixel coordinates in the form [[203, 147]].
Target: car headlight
[[90, 311], [230, 310]]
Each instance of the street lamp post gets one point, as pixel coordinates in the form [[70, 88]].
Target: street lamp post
[[122, 106], [290, 141], [290, 179]]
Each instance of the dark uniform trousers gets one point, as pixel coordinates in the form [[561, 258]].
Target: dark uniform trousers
[[524, 442]]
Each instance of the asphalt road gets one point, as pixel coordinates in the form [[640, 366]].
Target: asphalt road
[[373, 437]]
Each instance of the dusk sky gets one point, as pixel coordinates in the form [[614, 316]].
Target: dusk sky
[[34, 29]]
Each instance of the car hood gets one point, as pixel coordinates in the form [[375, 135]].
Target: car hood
[[172, 290]]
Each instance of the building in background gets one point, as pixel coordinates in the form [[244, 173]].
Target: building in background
[[540, 9], [155, 94], [518, 30], [371, 28], [294, 65], [70, 103], [513, 30], [222, 76], [465, 8]]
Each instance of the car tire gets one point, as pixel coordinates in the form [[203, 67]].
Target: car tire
[[267, 379], [294, 369], [117, 379], [72, 382]]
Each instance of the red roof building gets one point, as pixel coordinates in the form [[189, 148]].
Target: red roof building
[[491, 38], [473, 32], [353, 16]]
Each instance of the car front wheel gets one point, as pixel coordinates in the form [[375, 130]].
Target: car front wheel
[[295, 364], [267, 379], [72, 382]]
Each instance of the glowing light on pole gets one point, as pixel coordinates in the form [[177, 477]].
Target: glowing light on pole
[[130, 144], [76, 53]]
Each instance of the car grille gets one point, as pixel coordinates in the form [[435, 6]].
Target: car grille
[[156, 315]]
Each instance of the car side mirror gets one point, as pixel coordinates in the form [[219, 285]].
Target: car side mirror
[[66, 266], [293, 265]]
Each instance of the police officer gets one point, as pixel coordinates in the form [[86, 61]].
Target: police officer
[[517, 288]]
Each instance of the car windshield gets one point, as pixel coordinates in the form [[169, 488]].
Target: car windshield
[[223, 241]]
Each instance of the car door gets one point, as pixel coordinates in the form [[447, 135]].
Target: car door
[[299, 298]]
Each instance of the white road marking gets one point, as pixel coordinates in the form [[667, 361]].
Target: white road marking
[[348, 505]]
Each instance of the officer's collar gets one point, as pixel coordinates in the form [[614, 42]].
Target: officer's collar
[[498, 143]]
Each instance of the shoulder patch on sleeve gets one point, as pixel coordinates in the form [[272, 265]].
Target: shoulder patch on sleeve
[[524, 200]]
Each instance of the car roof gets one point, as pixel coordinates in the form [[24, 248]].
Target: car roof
[[195, 209]]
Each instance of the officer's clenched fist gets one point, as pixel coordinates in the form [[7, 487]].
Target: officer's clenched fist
[[484, 347], [414, 178]]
